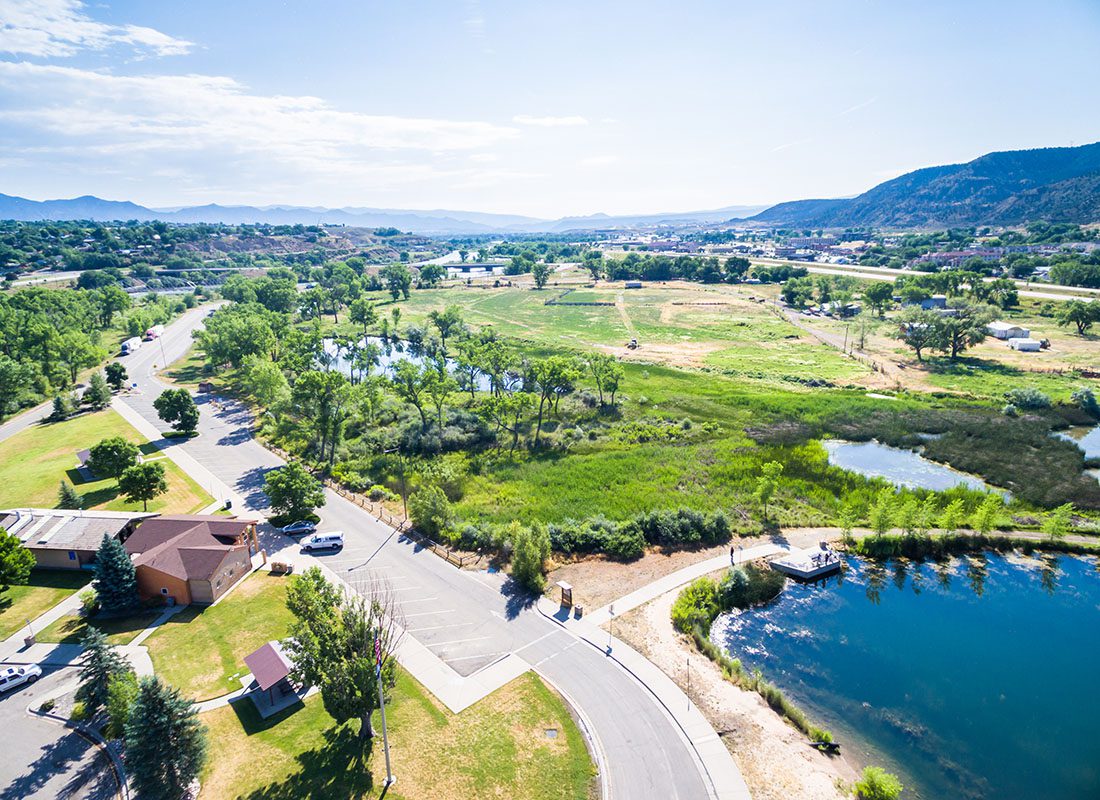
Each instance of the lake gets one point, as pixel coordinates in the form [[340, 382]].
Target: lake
[[972, 679], [390, 353], [900, 467]]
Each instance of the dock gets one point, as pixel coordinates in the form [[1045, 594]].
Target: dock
[[808, 564]]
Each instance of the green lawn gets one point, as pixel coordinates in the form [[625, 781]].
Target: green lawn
[[201, 649], [497, 748], [35, 460], [44, 590], [119, 630]]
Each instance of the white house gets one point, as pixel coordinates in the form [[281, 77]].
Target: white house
[[1006, 330]]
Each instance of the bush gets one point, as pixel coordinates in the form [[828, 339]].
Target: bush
[[89, 602], [431, 511], [877, 784], [79, 712], [1028, 398], [684, 527], [748, 586], [530, 549], [47, 706], [696, 606], [377, 493]]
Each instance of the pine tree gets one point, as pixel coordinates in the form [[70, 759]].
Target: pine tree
[[165, 742], [62, 407], [99, 393], [100, 664], [115, 577], [68, 497]]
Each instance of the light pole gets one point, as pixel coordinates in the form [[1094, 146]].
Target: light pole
[[610, 625], [390, 777]]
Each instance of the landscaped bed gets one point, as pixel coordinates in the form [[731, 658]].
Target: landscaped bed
[[519, 742]]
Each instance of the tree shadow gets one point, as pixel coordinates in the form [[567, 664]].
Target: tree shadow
[[518, 598], [57, 758], [250, 486]]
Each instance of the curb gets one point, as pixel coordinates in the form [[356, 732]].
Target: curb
[[588, 731], [711, 786], [93, 738]]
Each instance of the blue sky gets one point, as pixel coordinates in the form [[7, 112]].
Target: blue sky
[[541, 108]]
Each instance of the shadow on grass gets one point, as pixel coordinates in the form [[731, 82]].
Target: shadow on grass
[[336, 770], [70, 630]]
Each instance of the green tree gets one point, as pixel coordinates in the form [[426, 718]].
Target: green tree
[[323, 398], [293, 492], [431, 511], [397, 279], [553, 376], [1083, 315], [79, 352], [607, 372], [116, 375], [987, 515], [926, 516], [122, 691], [907, 515], [334, 640], [165, 742], [99, 663], [879, 296], [265, 381], [968, 327], [951, 519], [99, 393], [115, 581], [448, 322], [16, 561], [507, 411], [63, 407], [530, 549], [541, 273], [1057, 523], [112, 456], [68, 496], [877, 784], [882, 511], [362, 313], [408, 381], [432, 274], [919, 329], [178, 409], [143, 482], [767, 483]]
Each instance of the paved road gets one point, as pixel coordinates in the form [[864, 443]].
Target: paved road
[[43, 759], [469, 620]]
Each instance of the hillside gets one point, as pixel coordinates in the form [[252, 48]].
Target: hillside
[[1058, 184]]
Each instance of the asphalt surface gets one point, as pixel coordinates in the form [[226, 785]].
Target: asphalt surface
[[469, 620], [43, 759]]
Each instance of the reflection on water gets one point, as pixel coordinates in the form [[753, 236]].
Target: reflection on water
[[388, 353], [1085, 437], [972, 677], [901, 467]]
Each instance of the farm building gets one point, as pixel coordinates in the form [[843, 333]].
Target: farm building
[[1025, 344], [1006, 330]]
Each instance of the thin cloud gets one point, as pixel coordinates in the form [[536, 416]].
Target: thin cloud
[[858, 106], [788, 145], [549, 122], [58, 28]]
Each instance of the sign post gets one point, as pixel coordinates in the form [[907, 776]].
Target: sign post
[[390, 778]]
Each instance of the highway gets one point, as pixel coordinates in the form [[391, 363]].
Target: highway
[[469, 620]]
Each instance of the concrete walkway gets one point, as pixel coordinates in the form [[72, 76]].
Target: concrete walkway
[[709, 750], [13, 645], [677, 579]]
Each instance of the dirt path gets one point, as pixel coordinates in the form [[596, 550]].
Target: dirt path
[[835, 340], [620, 306]]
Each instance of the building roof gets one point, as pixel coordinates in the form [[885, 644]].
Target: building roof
[[269, 665], [65, 529], [189, 547]]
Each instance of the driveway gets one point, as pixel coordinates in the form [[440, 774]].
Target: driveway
[[43, 759]]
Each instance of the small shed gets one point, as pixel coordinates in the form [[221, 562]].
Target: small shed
[[633, 284], [1006, 331], [1025, 345], [271, 668]]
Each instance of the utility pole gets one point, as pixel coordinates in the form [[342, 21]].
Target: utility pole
[[390, 777], [610, 625]]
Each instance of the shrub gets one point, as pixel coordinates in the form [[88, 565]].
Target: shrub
[[378, 493], [1010, 410], [877, 784], [1086, 400], [89, 602], [696, 606], [431, 511], [749, 586], [625, 543], [79, 712], [530, 549], [1028, 398]]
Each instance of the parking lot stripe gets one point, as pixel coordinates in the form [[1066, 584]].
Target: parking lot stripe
[[419, 600], [437, 627], [459, 641], [430, 613], [479, 655]]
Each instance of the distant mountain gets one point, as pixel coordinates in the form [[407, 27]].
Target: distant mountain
[[1057, 184], [437, 222]]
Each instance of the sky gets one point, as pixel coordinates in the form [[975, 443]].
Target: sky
[[562, 107]]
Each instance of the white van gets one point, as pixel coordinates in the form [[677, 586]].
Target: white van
[[333, 540], [130, 345], [154, 332]]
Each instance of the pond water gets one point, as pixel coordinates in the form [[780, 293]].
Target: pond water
[[1085, 437], [390, 353], [901, 467], [972, 679]]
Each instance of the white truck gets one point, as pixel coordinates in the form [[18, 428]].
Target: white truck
[[130, 345], [154, 332]]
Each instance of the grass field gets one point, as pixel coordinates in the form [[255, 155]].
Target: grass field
[[201, 649], [119, 630], [34, 461], [45, 589], [497, 748]]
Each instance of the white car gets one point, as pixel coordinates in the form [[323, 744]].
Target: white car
[[333, 540], [301, 526], [11, 677]]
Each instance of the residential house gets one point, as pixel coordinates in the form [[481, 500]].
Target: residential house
[[191, 558]]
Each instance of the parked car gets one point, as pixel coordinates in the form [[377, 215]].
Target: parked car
[[324, 541], [301, 526], [11, 677]]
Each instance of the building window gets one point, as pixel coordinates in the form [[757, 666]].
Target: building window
[[163, 591], [72, 555]]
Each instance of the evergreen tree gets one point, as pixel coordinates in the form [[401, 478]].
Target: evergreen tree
[[115, 577], [62, 407], [165, 742], [68, 497], [99, 393], [116, 375], [100, 665]]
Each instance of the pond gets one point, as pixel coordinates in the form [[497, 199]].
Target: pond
[[390, 353], [1086, 437], [899, 466], [971, 678]]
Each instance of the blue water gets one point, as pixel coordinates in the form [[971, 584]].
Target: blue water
[[390, 353], [900, 467], [973, 679]]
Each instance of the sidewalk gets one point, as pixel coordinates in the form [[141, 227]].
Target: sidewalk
[[12, 647], [717, 763], [677, 579]]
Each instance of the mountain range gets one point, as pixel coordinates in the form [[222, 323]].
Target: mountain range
[[437, 221], [1057, 184]]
